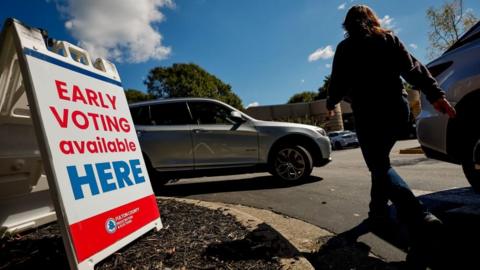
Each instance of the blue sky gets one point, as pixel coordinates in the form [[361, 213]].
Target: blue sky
[[260, 47]]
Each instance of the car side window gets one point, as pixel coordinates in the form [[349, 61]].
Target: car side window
[[174, 113], [208, 113], [140, 115]]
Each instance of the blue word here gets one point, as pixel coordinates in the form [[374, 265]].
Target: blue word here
[[109, 176]]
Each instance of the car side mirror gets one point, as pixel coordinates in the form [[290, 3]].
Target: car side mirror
[[237, 117]]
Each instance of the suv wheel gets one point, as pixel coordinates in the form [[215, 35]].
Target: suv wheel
[[291, 163], [471, 167]]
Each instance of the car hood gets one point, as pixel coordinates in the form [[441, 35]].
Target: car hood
[[260, 123]]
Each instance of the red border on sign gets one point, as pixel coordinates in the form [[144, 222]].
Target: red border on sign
[[93, 234]]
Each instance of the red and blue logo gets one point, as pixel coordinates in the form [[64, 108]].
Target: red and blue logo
[[111, 225]]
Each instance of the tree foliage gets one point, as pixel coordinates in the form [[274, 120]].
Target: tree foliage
[[305, 96], [323, 90], [137, 96], [189, 80], [448, 23]]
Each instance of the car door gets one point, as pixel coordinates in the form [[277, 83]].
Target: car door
[[165, 135], [218, 140]]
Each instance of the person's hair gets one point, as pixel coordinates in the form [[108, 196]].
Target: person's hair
[[362, 21]]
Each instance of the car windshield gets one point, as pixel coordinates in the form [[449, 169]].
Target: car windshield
[[341, 133]]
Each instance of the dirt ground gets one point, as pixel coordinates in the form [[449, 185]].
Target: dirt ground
[[193, 238]]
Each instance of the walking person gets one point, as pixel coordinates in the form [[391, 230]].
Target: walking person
[[367, 69]]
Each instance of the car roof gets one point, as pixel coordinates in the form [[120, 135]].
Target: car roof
[[185, 99], [167, 100], [471, 34]]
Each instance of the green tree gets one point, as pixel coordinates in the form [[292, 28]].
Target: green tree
[[448, 23], [305, 96], [323, 90], [136, 96], [189, 80]]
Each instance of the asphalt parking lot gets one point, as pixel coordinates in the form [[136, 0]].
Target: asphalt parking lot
[[337, 196]]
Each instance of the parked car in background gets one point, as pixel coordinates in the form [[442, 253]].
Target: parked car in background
[[191, 137], [456, 140], [342, 139]]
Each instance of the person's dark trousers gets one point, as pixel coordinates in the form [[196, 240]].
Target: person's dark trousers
[[376, 136]]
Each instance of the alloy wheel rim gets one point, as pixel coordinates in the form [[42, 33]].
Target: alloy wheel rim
[[290, 164]]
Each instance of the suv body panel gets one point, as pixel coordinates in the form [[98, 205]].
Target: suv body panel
[[459, 77]]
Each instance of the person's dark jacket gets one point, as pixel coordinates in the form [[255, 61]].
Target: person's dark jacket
[[366, 71]]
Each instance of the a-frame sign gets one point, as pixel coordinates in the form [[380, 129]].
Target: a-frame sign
[[96, 174]]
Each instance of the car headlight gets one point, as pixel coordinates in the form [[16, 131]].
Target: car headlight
[[321, 131]]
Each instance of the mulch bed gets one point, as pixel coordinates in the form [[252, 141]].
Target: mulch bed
[[193, 238]]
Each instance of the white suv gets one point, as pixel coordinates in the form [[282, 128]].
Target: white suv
[[456, 140], [342, 139]]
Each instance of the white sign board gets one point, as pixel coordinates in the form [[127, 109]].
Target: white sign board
[[94, 164]]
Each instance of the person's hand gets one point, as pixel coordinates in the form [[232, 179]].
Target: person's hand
[[442, 105]]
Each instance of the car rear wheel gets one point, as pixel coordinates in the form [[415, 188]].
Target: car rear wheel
[[291, 163], [471, 167]]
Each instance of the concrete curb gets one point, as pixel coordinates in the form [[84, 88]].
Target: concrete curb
[[413, 150], [301, 236]]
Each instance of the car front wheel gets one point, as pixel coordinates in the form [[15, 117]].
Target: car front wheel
[[471, 167], [291, 163]]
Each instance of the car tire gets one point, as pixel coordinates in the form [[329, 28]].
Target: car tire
[[471, 167], [291, 163]]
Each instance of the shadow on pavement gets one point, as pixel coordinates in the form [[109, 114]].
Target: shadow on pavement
[[339, 252], [459, 209], [262, 243], [245, 184], [452, 246]]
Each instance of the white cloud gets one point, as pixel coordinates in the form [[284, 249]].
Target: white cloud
[[342, 6], [302, 81], [413, 46], [120, 30], [321, 53], [387, 22], [253, 104], [328, 65]]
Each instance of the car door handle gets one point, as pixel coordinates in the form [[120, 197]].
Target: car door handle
[[200, 130]]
